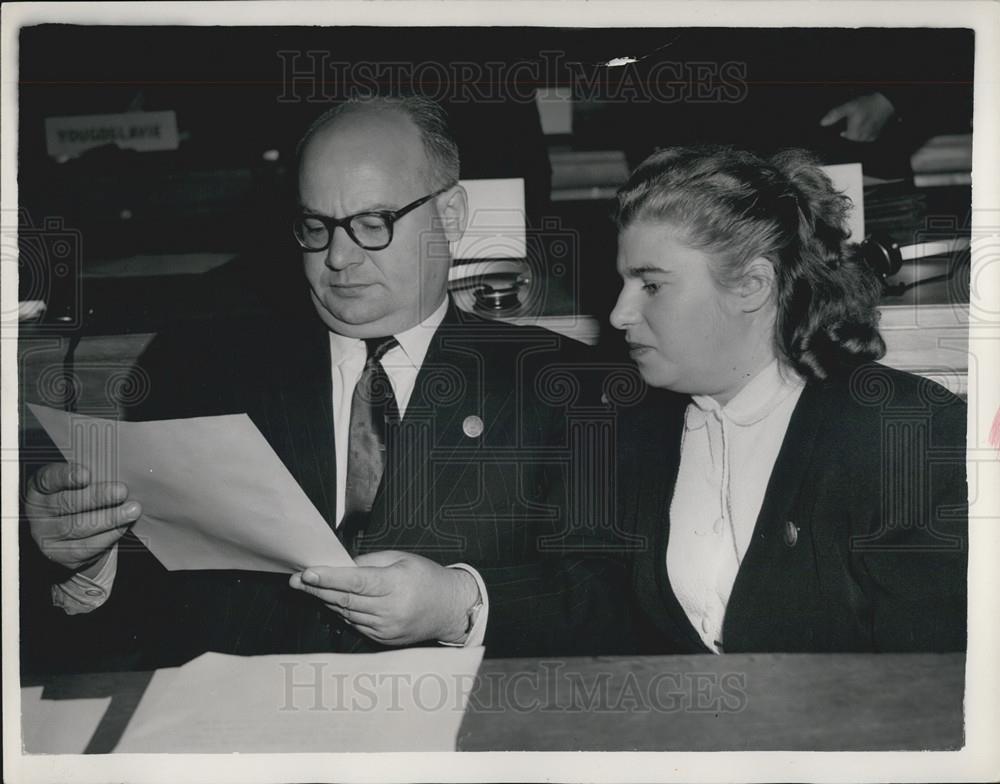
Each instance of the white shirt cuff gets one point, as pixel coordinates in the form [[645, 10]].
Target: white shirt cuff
[[82, 594], [477, 634]]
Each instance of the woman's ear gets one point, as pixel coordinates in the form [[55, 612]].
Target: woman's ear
[[757, 285], [453, 208]]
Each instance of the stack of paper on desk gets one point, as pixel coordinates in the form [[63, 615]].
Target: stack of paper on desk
[[214, 494], [407, 700]]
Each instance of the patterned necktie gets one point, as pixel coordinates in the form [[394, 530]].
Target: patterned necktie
[[372, 406]]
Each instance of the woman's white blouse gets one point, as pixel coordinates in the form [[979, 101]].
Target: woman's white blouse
[[727, 455]]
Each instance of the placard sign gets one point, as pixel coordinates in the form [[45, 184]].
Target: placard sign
[[144, 131]]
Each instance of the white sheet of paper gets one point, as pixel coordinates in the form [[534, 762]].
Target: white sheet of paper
[[496, 222], [214, 494], [406, 700], [58, 726], [555, 109], [848, 178]]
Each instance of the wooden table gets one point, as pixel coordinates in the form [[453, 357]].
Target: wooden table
[[715, 703], [667, 703]]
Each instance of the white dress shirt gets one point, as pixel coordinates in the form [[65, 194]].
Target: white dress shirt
[[727, 455], [402, 363]]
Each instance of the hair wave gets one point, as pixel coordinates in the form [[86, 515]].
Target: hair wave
[[738, 206]]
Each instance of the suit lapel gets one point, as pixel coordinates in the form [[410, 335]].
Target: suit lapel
[[296, 413], [448, 383], [659, 462], [443, 364], [781, 497]]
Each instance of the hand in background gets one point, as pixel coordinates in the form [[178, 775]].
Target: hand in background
[[75, 522], [866, 115], [395, 598]]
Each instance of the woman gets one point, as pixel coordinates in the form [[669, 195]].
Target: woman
[[792, 494]]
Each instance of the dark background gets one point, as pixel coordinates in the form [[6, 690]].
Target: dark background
[[226, 85]]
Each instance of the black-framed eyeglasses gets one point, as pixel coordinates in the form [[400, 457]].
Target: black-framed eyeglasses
[[369, 230]]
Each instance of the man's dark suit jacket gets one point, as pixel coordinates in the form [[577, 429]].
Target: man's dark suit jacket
[[511, 502], [861, 540]]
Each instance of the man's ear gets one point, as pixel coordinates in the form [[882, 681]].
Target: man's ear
[[756, 287], [453, 208]]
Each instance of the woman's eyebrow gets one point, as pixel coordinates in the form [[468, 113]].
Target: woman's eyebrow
[[646, 269]]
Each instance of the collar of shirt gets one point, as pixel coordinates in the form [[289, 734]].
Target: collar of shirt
[[413, 343], [727, 457], [762, 394]]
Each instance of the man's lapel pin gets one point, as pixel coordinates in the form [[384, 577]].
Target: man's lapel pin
[[472, 426]]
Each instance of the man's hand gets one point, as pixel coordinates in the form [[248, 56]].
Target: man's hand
[[866, 116], [75, 523], [395, 598]]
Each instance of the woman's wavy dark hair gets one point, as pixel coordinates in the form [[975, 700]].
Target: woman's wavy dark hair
[[738, 206]]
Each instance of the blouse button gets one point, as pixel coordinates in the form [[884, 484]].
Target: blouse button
[[717, 526], [94, 592], [706, 625]]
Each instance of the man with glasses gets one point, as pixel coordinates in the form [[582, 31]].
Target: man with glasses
[[434, 442]]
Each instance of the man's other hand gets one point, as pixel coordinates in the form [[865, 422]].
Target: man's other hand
[[395, 598], [75, 522], [866, 116]]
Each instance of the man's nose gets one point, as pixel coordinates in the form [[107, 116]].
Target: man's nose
[[623, 313], [343, 251]]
